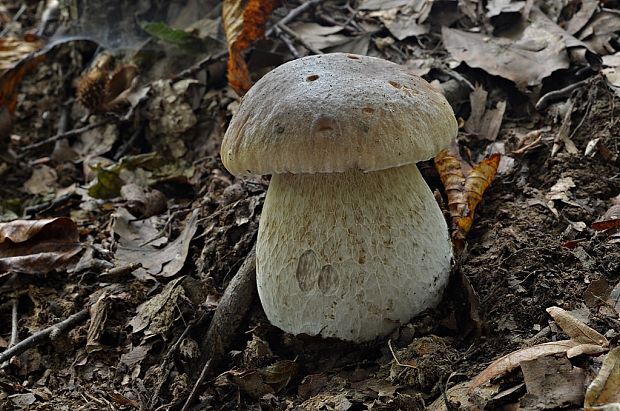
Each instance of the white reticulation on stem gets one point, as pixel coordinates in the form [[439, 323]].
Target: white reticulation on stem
[[350, 255]]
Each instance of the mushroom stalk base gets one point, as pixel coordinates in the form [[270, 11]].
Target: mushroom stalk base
[[350, 255]]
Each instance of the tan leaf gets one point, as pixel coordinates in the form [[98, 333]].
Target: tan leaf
[[244, 22], [603, 391], [511, 361], [576, 329]]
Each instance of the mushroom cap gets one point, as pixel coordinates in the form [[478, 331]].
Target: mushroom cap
[[337, 112]]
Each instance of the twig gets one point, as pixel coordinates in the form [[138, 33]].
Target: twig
[[293, 14], [165, 364], [124, 148], [118, 272], [206, 370], [555, 95], [200, 65], [16, 17], [396, 359], [70, 133], [297, 37], [50, 332], [14, 337], [287, 41]]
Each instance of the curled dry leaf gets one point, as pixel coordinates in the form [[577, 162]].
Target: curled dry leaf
[[464, 186], [511, 361], [603, 392], [37, 247], [244, 22], [576, 329]]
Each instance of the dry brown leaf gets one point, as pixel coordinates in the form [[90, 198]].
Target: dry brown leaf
[[603, 391], [611, 219], [37, 247], [482, 121], [244, 22], [576, 329], [511, 361], [464, 186], [552, 383]]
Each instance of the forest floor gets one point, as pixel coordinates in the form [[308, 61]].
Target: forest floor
[[102, 169]]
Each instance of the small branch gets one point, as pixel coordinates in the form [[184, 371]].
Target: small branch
[[165, 364], [206, 370], [70, 133], [298, 38], [118, 272], [200, 65], [555, 95], [287, 42], [50, 332], [396, 359], [293, 14], [14, 337]]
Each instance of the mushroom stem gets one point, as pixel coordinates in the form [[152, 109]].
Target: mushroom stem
[[350, 255]]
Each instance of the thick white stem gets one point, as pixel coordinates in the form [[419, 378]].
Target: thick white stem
[[350, 255]]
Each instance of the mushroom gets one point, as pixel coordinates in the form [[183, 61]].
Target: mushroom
[[351, 241]]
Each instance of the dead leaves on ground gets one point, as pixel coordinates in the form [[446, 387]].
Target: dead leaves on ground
[[551, 379], [464, 187], [244, 23], [37, 247]]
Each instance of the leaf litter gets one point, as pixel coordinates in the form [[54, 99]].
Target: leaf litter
[[160, 232]]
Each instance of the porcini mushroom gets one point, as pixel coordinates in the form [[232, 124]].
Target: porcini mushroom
[[351, 241]]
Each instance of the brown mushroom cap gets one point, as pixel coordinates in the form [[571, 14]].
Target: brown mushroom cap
[[337, 112]]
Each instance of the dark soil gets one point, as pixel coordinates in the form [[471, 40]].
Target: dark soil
[[520, 258]]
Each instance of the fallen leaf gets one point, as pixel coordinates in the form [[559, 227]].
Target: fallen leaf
[[133, 248], [552, 382], [319, 37], [464, 186], [603, 392], [467, 399], [155, 316], [98, 316], [37, 247], [482, 121], [511, 361], [41, 181], [526, 58], [576, 329], [243, 23]]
